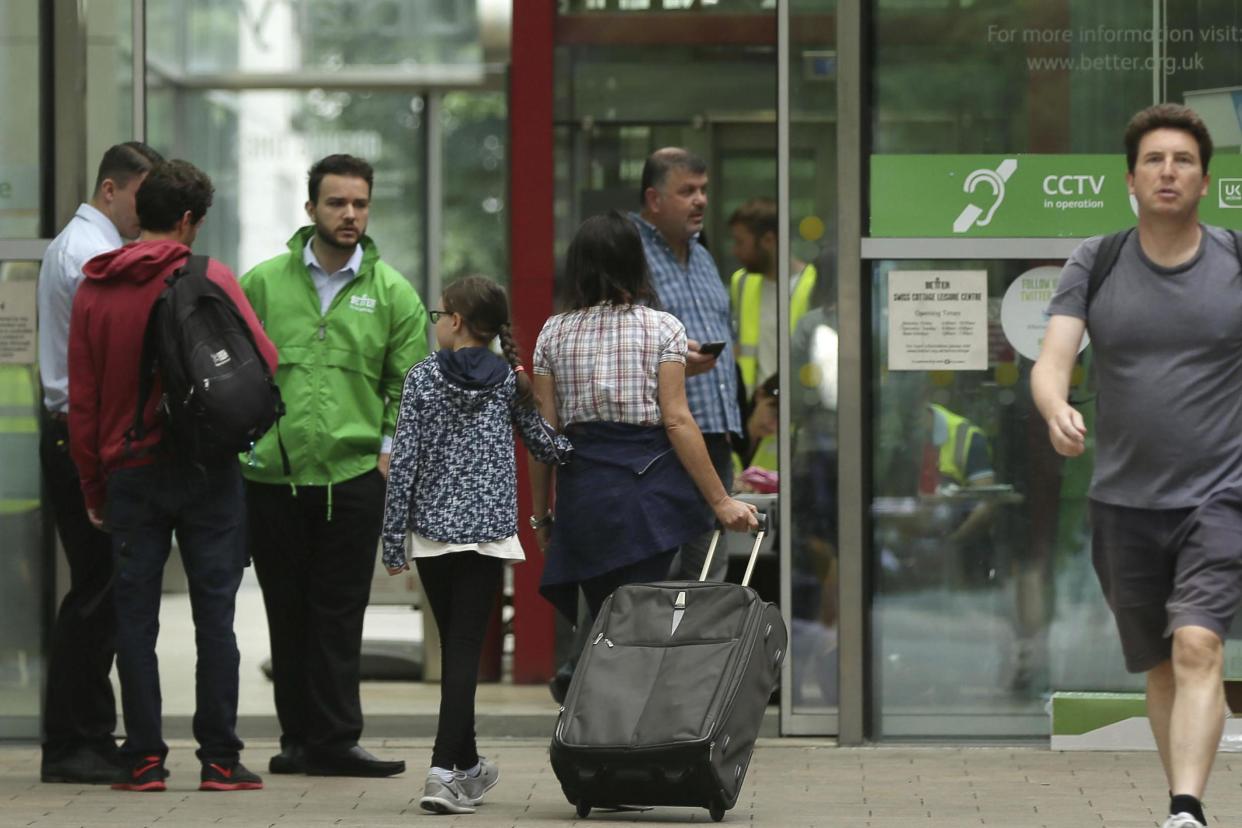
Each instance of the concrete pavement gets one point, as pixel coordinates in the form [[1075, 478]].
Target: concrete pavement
[[791, 782]]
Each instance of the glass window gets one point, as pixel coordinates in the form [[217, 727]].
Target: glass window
[[109, 80], [993, 77], [475, 159], [21, 525], [723, 107], [22, 563], [811, 380], [257, 147], [984, 596], [20, 182], [188, 37], [984, 593]]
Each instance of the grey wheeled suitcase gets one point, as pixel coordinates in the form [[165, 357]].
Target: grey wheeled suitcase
[[668, 695]]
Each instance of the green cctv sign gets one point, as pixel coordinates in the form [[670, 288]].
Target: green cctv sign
[[965, 196]]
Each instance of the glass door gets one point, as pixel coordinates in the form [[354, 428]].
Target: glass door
[[24, 578], [982, 596], [810, 540]]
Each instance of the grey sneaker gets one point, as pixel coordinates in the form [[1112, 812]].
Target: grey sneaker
[[1182, 820], [440, 797], [473, 787]]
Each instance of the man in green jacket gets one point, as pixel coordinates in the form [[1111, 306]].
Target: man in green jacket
[[348, 327]]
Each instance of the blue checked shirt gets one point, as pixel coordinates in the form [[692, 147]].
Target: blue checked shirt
[[695, 294]]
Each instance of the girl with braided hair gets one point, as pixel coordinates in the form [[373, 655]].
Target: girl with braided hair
[[452, 484]]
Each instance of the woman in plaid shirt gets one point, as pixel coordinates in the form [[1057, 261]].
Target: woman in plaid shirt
[[610, 373]]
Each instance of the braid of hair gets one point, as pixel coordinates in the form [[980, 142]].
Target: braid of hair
[[526, 395]]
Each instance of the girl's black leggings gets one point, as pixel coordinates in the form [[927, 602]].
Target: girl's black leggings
[[461, 588]]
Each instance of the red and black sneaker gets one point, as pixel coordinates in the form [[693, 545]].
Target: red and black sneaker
[[229, 777], [147, 774]]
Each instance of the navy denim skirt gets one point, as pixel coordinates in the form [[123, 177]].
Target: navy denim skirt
[[623, 498]]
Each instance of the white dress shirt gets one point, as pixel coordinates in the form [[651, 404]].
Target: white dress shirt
[[87, 234], [328, 285]]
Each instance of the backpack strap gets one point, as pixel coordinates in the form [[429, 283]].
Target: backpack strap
[[193, 266], [1105, 260]]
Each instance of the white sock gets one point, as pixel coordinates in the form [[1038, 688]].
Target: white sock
[[476, 770], [445, 776]]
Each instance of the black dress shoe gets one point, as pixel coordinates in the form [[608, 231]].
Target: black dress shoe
[[352, 761], [291, 759], [83, 766]]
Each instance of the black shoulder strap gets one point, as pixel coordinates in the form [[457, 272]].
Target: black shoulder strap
[[1110, 249], [194, 266], [1105, 259]]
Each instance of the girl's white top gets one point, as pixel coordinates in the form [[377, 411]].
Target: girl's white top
[[508, 549]]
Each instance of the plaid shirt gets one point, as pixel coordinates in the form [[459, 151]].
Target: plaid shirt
[[605, 360], [695, 294]]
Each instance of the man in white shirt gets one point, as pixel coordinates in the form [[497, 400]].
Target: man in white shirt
[[80, 709]]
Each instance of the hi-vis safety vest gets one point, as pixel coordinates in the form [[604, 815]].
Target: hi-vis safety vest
[[765, 456], [956, 450], [745, 294], [19, 440]]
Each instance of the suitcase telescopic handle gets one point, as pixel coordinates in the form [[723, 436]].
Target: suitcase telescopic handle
[[754, 550]]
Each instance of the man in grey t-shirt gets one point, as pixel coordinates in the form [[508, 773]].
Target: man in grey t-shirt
[[1166, 495]]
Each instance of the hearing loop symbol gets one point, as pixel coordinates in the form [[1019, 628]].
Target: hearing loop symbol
[[973, 214]]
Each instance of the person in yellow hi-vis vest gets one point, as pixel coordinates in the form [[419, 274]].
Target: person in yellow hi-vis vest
[[960, 450], [956, 456], [759, 450], [19, 438], [752, 291], [19, 524]]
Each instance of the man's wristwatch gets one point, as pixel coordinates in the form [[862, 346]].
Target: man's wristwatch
[[541, 522]]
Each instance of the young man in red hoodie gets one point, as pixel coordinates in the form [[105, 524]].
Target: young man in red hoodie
[[146, 493]]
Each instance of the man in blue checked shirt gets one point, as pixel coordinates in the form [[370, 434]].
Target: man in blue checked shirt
[[674, 198]]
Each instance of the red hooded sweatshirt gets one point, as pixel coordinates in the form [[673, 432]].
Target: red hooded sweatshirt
[[106, 332]]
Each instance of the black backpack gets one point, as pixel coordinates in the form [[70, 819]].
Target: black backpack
[[1110, 249], [219, 397]]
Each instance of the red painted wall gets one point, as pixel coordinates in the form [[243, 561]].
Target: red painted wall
[[531, 234]]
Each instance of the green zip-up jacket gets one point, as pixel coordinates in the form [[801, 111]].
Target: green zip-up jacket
[[340, 373]]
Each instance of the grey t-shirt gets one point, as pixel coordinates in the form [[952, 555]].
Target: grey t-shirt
[[1167, 345]]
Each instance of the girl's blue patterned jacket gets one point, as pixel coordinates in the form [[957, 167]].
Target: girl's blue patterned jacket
[[453, 474]]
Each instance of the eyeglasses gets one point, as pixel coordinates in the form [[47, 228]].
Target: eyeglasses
[[436, 314]]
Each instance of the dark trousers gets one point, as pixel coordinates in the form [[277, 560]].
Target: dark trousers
[[314, 553], [461, 588], [688, 563], [206, 508], [645, 571], [79, 708]]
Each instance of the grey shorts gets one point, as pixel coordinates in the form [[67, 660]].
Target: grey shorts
[[1162, 569]]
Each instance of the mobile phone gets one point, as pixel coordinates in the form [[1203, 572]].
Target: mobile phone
[[711, 348]]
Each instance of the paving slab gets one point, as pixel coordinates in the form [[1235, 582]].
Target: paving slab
[[791, 782]]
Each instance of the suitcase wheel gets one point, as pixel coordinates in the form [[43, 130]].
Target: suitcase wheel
[[717, 810], [584, 809]]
